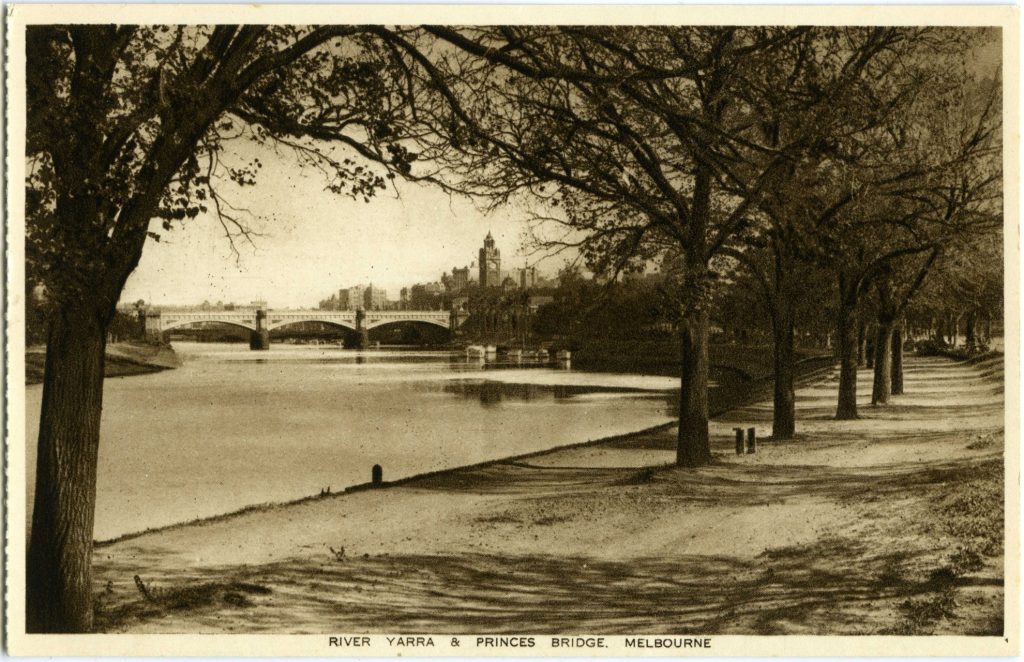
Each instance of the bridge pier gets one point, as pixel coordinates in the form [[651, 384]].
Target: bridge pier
[[364, 334], [260, 338]]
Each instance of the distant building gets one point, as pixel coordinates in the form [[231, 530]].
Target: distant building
[[526, 277], [356, 297], [375, 298], [344, 303], [460, 279], [490, 263], [509, 284], [426, 296]]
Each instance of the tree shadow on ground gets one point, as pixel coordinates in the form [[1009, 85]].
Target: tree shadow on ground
[[834, 586], [720, 484]]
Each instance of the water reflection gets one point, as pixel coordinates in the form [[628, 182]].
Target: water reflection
[[310, 354], [492, 393], [251, 427]]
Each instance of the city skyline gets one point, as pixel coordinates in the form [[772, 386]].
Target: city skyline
[[523, 276], [408, 234]]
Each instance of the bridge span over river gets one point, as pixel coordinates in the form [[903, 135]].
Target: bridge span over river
[[260, 322]]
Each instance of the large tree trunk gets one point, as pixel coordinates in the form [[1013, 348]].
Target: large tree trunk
[[897, 358], [882, 387], [846, 333], [58, 588], [694, 447], [970, 338], [784, 409]]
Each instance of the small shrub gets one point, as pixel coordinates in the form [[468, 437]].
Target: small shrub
[[931, 347], [965, 561], [920, 615], [937, 347]]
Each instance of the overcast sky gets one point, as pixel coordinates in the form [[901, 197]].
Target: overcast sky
[[314, 242]]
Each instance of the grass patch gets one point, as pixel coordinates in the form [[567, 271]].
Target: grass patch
[[112, 613], [550, 520], [974, 512], [920, 615], [499, 518], [983, 441]]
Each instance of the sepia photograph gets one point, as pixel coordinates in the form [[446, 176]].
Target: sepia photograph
[[512, 331]]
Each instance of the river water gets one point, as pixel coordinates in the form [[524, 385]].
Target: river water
[[232, 427]]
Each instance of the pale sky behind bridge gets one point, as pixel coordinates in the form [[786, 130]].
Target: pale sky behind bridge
[[314, 242]]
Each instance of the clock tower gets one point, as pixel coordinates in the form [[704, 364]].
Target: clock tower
[[490, 264]]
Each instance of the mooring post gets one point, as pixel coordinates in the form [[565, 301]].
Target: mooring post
[[377, 475], [739, 440], [751, 440]]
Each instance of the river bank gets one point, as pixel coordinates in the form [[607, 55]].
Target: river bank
[[124, 359], [663, 357], [887, 525]]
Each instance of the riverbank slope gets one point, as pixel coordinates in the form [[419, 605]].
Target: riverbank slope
[[123, 359], [892, 524]]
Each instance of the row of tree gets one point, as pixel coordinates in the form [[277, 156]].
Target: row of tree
[[853, 163]]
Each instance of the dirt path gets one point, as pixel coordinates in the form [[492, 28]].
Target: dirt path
[[889, 524]]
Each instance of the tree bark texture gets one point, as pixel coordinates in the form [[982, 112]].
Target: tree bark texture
[[846, 334], [862, 344], [694, 448], [882, 386], [970, 337], [59, 558], [784, 409], [897, 358]]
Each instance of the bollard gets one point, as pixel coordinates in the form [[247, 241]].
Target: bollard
[[377, 475], [751, 440], [739, 440]]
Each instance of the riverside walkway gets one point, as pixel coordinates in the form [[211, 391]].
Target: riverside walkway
[[877, 526]]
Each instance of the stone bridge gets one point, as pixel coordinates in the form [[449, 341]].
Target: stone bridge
[[261, 321]]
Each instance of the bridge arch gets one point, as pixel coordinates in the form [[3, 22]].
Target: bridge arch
[[177, 324], [329, 322], [407, 320], [409, 331]]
